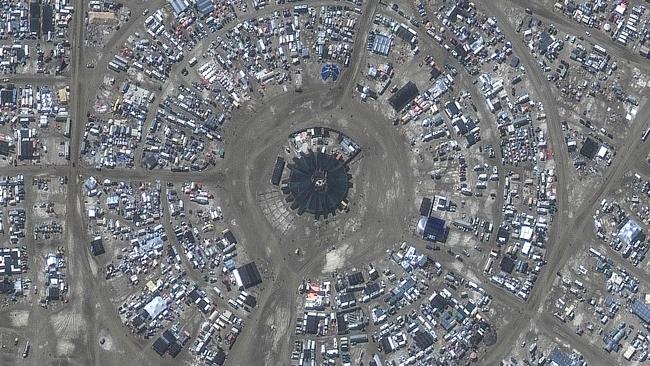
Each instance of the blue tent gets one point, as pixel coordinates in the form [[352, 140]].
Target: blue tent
[[329, 71]]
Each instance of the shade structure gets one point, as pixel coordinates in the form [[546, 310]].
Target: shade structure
[[318, 182], [329, 71]]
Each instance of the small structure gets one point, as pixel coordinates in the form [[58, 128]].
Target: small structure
[[167, 342], [642, 310], [630, 232], [277, 171], [559, 358], [155, 307], [329, 71], [10, 262], [6, 286], [507, 264], [247, 276], [432, 229], [404, 96], [526, 233], [205, 7], [179, 6], [355, 279], [160, 346], [53, 293], [589, 148], [425, 207], [96, 246], [381, 44], [423, 339], [229, 236]]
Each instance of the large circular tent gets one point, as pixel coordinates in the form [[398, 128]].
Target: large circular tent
[[318, 183]]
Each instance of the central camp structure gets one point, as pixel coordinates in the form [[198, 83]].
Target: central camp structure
[[318, 183]]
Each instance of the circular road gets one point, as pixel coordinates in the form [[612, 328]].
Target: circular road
[[382, 205]]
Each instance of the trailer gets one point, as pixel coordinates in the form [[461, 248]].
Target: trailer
[[26, 351], [114, 67], [120, 59], [277, 171], [599, 49], [644, 137], [68, 128]]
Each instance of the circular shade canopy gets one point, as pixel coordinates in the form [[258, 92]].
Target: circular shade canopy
[[318, 182]]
